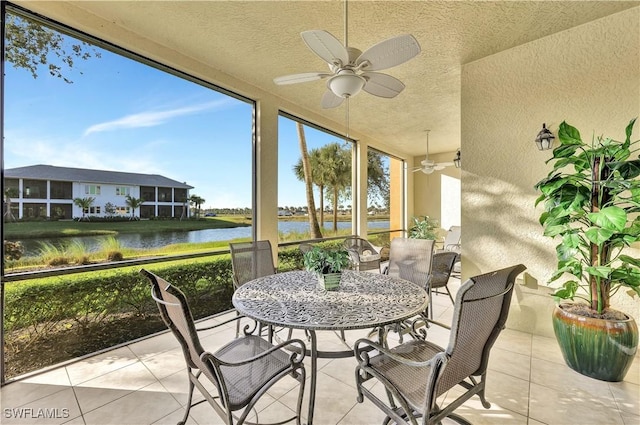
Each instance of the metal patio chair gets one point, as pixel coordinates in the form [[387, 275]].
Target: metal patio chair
[[410, 259], [240, 371], [441, 268], [250, 260], [364, 256], [417, 372]]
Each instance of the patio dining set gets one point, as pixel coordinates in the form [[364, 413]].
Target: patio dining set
[[394, 297]]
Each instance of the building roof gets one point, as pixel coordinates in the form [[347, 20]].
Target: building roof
[[50, 172]]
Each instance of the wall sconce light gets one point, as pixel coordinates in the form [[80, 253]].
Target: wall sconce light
[[456, 160], [544, 139]]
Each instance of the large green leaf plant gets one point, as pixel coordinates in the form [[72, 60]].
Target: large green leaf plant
[[592, 199]]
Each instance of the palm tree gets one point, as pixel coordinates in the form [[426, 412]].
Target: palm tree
[[133, 203], [84, 204], [306, 166], [335, 163], [316, 176], [197, 201]]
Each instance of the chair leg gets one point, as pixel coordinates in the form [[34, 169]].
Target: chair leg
[[189, 399], [430, 303], [449, 293]]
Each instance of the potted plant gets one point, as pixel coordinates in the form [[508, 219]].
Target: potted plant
[[592, 200], [424, 227], [327, 264]]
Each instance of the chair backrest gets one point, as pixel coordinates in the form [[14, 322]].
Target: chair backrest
[[452, 238], [481, 309], [441, 266], [358, 244], [251, 260], [410, 259], [176, 314]]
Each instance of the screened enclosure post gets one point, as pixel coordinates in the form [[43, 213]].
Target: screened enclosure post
[[2, 16]]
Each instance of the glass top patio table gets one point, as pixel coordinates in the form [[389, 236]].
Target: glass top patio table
[[295, 300]]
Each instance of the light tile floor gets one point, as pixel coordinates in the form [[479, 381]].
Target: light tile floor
[[145, 383]]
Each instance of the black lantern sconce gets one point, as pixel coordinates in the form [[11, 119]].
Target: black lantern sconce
[[456, 160], [544, 139]]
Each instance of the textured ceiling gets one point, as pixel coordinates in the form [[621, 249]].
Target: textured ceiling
[[255, 41]]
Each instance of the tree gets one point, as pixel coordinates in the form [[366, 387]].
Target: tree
[[377, 179], [316, 176], [133, 203], [313, 219], [335, 165], [197, 201], [109, 209], [30, 45], [84, 204]]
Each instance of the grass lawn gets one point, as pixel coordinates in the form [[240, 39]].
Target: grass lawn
[[56, 229]]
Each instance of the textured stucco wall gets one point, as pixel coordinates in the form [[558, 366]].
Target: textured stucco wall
[[590, 77]]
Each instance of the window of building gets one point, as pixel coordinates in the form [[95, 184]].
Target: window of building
[[171, 126], [385, 192], [92, 189], [330, 159], [123, 191]]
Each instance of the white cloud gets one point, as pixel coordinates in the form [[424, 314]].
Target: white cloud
[[151, 119]]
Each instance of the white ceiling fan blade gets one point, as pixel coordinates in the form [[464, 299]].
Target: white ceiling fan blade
[[300, 78], [330, 100], [326, 46], [389, 53], [445, 164], [382, 85]]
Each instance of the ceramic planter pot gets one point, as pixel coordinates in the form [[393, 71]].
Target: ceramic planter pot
[[329, 281], [598, 348]]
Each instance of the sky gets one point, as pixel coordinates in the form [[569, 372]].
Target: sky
[[122, 115]]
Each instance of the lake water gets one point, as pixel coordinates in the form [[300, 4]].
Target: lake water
[[150, 240]]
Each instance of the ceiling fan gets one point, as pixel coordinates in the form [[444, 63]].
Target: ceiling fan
[[353, 70], [428, 166]]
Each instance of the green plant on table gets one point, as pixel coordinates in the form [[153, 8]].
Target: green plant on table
[[592, 200], [322, 261]]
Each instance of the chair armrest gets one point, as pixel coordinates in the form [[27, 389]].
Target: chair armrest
[[363, 346], [296, 346], [233, 319]]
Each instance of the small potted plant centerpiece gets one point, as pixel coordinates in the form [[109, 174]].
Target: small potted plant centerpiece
[[592, 200], [327, 264]]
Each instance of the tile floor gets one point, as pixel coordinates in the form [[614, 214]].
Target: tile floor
[[145, 383]]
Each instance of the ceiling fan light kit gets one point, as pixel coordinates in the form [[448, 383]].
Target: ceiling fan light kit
[[346, 84]]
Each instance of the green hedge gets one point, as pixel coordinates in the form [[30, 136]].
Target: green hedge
[[72, 315]]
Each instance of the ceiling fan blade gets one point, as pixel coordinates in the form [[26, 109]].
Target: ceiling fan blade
[[300, 78], [326, 46], [330, 100], [445, 164], [382, 85], [389, 53]]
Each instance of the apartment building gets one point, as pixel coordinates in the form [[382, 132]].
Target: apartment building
[[48, 191]]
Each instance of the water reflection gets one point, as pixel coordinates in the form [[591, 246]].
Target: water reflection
[[156, 240]]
